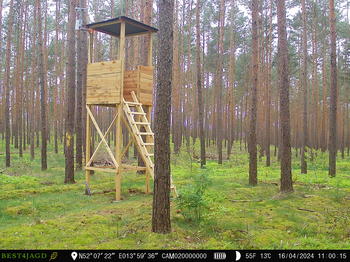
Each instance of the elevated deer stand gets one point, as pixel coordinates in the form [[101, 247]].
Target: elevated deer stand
[[108, 84]]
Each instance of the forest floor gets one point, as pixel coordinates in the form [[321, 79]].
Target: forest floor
[[37, 211]]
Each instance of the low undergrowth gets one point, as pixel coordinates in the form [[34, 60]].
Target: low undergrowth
[[216, 209]]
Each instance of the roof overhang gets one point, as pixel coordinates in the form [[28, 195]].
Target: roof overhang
[[112, 27]]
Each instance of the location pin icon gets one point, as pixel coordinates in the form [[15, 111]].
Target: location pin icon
[[74, 255]]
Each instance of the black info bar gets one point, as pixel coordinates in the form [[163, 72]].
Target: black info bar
[[174, 255]]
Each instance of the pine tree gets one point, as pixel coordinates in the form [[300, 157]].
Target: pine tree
[[7, 85], [161, 196], [253, 177], [332, 147], [219, 80], [42, 91], [283, 84], [70, 106], [199, 86], [305, 93]]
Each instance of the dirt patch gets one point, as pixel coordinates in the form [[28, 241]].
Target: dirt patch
[[103, 192], [135, 191], [47, 183]]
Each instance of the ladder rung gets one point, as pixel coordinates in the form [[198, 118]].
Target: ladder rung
[[146, 134], [142, 123], [133, 103], [150, 154], [148, 144], [138, 113]]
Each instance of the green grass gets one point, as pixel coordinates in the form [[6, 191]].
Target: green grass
[[38, 211]]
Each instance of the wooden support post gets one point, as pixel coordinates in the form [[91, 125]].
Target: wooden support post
[[119, 143], [119, 108], [149, 63], [147, 191], [149, 112], [150, 48], [87, 151]]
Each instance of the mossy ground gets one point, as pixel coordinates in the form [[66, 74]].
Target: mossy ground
[[37, 211]]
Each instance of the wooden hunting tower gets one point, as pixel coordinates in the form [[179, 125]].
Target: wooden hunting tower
[[108, 84]]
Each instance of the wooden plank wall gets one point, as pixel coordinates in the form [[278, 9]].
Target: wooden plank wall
[[131, 81], [103, 83], [141, 82], [146, 85]]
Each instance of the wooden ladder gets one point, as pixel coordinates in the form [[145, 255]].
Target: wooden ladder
[[144, 147]]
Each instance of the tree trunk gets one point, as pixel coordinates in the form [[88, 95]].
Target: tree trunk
[[55, 109], [161, 197], [315, 84], [19, 81], [81, 63], [268, 88], [199, 86], [69, 136], [324, 102], [176, 110], [2, 99], [219, 81], [33, 83], [84, 44], [253, 176], [283, 83], [231, 84], [332, 147], [7, 85], [42, 91], [304, 88]]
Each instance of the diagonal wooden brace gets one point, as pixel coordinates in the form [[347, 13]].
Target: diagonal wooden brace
[[126, 147], [102, 137], [98, 146]]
